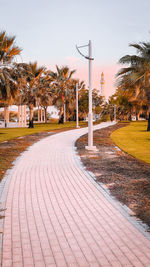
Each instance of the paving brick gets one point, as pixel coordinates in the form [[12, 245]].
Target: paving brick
[[57, 217]]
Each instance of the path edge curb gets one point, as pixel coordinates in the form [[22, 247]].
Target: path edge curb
[[123, 209]]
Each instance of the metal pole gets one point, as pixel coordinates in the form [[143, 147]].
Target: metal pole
[[64, 111], [4, 113], [8, 114], [21, 115], [25, 114], [41, 115], [90, 122], [77, 118], [90, 115], [38, 113], [44, 114], [115, 113]]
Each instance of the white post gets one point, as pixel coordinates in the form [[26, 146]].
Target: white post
[[44, 114], [64, 112], [90, 115], [41, 115], [25, 113], [7, 114], [5, 117], [115, 113], [77, 118], [38, 114], [21, 115]]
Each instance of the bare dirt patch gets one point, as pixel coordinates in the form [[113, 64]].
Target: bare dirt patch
[[127, 178]]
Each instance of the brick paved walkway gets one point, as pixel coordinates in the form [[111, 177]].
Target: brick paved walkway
[[57, 217]]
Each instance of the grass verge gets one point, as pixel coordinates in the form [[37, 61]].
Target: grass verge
[[14, 141], [134, 140], [11, 133]]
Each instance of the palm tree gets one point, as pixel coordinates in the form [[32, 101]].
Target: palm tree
[[130, 96], [138, 72], [8, 84], [98, 103], [123, 105], [45, 93], [61, 80], [31, 79], [8, 51]]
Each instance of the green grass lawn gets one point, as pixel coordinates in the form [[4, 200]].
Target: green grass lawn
[[11, 133], [134, 139]]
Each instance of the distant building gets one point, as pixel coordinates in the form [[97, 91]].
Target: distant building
[[102, 84], [53, 111]]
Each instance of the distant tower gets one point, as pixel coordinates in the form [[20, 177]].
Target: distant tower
[[102, 83]]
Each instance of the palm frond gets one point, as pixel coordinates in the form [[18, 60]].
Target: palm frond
[[138, 47], [14, 51], [128, 59], [124, 71]]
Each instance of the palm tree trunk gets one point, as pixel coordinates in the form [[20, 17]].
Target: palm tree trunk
[[45, 114], [38, 113], [31, 111], [6, 115], [138, 114], [62, 110], [61, 119], [31, 116], [148, 104], [148, 126]]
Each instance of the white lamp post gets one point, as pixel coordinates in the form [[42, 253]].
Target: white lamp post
[[77, 118], [115, 113], [90, 115], [77, 104]]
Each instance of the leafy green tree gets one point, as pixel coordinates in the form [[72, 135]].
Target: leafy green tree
[[83, 104], [71, 97], [97, 100]]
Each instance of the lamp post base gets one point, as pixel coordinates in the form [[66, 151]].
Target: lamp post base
[[92, 148]]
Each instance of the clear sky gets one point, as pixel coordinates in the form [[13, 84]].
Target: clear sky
[[48, 30]]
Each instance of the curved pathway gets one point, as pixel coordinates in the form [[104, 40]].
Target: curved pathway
[[57, 217]]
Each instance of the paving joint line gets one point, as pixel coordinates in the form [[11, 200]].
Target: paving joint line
[[123, 209]]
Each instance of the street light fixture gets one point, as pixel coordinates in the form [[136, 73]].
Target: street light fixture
[[90, 115]]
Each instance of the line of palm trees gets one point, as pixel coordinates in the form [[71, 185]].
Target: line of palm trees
[[22, 83], [133, 93], [28, 84]]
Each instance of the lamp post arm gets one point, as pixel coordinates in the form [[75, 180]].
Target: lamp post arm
[[83, 54]]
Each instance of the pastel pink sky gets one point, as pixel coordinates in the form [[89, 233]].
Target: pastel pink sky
[[48, 32], [81, 67], [109, 76]]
